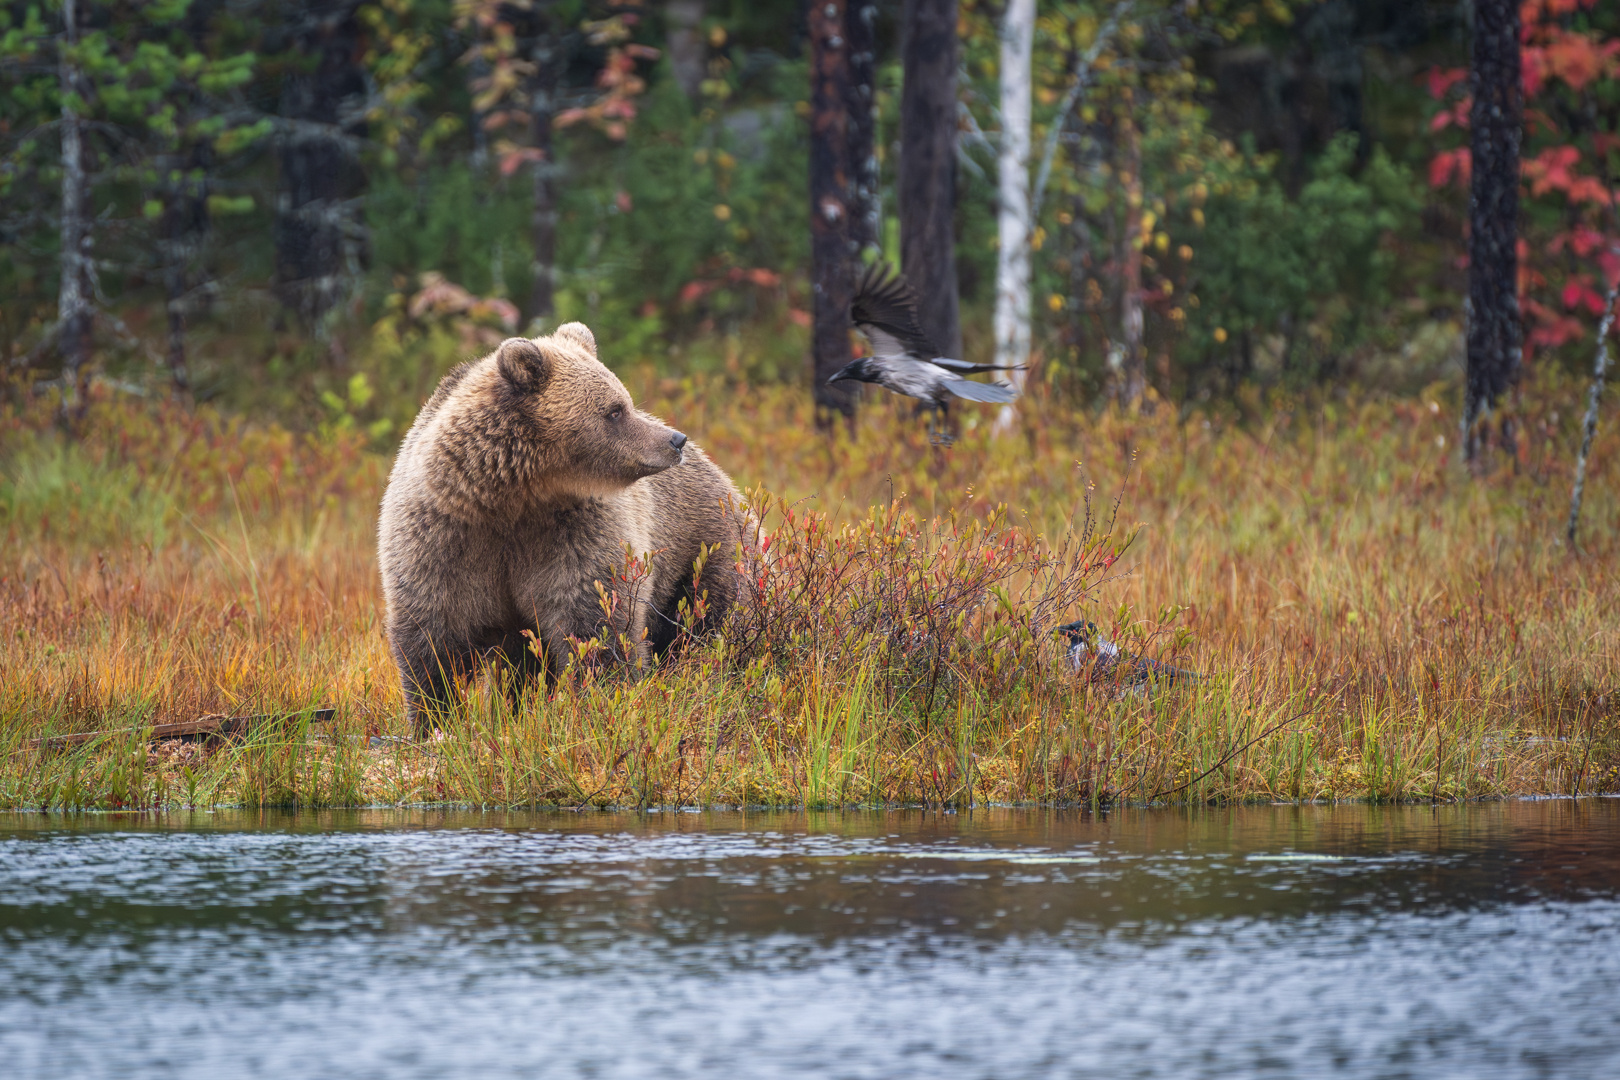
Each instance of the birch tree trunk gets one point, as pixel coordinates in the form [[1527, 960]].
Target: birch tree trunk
[[927, 196], [683, 22], [73, 292], [1493, 215], [831, 188], [1133, 374], [1013, 224]]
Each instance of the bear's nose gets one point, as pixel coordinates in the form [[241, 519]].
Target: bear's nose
[[678, 440]]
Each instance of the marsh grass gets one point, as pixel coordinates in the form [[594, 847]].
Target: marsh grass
[[1371, 622]]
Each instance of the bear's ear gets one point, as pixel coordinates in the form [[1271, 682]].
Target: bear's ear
[[522, 363], [578, 333]]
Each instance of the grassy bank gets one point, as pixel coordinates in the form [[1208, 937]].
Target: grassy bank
[[1372, 621]]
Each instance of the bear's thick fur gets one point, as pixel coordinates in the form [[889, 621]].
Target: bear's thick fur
[[516, 492]]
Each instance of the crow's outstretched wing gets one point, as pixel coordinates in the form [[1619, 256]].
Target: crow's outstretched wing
[[996, 393], [963, 367], [885, 310]]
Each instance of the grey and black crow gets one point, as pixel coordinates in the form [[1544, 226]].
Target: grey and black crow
[[1101, 660], [904, 359]]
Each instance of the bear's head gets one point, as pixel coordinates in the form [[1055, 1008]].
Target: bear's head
[[594, 439]]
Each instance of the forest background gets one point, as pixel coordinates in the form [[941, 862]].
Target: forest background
[[293, 217], [287, 202]]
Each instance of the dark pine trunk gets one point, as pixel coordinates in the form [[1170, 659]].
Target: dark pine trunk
[[831, 203], [927, 197], [317, 234], [866, 222], [1493, 215], [181, 232]]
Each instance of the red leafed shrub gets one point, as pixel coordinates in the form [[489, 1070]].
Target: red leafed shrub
[[927, 602]]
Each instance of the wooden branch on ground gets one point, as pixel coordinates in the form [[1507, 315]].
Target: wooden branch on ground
[[212, 725]]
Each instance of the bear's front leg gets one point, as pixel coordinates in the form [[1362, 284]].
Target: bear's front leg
[[428, 672], [630, 640]]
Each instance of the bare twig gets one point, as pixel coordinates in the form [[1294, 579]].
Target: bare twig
[[1273, 729], [971, 137], [607, 780], [44, 345]]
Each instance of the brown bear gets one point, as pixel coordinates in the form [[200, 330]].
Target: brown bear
[[525, 481]]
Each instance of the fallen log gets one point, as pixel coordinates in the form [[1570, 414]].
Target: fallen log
[[216, 724]]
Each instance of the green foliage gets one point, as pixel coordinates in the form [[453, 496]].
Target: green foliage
[[451, 219], [161, 98], [693, 222], [1268, 264], [345, 411], [681, 223]]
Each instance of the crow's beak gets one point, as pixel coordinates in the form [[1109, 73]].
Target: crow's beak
[[852, 370]]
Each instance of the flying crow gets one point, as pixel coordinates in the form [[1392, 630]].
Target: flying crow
[[1093, 655], [904, 359]]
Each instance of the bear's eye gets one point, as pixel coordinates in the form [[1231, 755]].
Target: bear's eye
[[616, 413]]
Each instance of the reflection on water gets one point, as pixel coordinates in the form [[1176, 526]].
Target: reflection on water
[[1269, 941]]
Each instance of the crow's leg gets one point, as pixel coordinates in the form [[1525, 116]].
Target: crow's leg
[[939, 433]]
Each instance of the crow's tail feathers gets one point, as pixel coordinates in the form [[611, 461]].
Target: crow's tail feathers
[[998, 393], [964, 367], [1169, 672], [1138, 670]]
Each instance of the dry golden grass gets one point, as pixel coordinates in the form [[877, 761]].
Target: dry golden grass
[[1373, 621]]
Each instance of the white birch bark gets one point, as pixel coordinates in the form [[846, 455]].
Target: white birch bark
[[1013, 219]]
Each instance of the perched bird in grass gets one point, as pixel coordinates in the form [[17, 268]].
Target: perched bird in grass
[[1101, 660], [904, 358]]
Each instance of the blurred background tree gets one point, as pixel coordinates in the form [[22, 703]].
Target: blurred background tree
[[261, 201]]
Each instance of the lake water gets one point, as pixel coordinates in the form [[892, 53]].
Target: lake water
[[1459, 941]]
